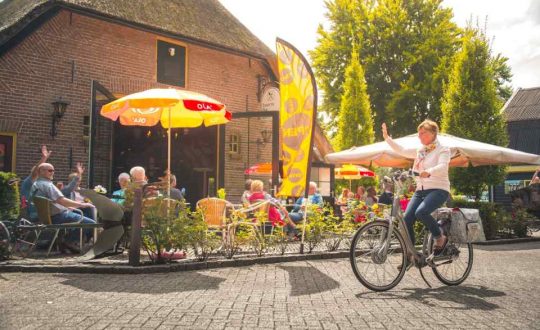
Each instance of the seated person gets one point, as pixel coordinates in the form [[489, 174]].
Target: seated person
[[247, 192], [175, 192], [343, 200], [120, 194], [371, 197], [60, 213], [387, 196], [314, 197], [26, 186], [360, 194], [71, 191], [138, 176], [276, 213], [344, 197]]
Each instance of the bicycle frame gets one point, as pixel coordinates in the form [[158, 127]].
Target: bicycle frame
[[396, 215]]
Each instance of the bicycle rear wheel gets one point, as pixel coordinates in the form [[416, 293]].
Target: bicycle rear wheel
[[455, 263], [376, 269]]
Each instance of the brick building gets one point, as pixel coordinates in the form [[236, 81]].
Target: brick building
[[85, 53]]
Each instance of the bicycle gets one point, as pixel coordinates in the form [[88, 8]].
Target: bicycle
[[381, 251], [16, 238]]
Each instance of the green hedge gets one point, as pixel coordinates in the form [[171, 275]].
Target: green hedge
[[9, 197]]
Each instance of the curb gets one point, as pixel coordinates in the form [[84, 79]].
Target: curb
[[509, 241], [195, 265], [173, 267]]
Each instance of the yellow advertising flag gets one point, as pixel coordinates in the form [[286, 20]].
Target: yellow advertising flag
[[297, 115]]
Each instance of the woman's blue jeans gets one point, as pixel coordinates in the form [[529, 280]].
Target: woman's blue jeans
[[421, 205]]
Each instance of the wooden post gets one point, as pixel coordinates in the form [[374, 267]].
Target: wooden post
[[135, 245]]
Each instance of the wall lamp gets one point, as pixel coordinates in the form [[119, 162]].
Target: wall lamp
[[59, 109], [262, 81]]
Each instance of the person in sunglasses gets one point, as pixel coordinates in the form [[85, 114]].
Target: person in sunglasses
[[61, 206]]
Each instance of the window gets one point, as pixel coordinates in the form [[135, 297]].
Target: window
[[321, 176], [7, 152], [171, 64], [86, 128], [234, 143]]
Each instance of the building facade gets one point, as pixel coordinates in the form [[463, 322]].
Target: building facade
[[82, 54], [522, 114]]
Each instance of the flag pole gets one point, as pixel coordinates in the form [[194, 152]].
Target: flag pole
[[168, 176]]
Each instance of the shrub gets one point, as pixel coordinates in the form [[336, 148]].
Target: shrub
[[165, 228], [278, 239], [9, 196], [336, 230], [517, 223], [195, 234], [315, 226]]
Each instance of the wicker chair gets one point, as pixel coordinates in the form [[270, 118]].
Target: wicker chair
[[214, 212]]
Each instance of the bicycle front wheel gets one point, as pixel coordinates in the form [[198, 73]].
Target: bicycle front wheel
[[454, 265], [378, 262]]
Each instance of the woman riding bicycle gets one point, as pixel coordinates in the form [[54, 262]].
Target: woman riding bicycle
[[433, 186]]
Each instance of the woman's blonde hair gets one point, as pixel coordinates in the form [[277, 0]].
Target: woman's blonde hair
[[429, 125], [257, 185]]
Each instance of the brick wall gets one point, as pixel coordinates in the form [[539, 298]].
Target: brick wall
[[63, 56]]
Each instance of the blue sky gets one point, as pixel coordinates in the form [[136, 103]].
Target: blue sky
[[513, 25]]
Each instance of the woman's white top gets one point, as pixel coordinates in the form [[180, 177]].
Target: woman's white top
[[434, 159]]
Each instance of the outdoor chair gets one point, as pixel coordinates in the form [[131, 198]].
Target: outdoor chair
[[214, 211], [43, 207]]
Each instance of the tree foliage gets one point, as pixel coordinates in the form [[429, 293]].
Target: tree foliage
[[471, 109], [406, 47], [355, 122]]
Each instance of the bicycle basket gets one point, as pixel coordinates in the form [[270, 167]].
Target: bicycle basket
[[466, 226]]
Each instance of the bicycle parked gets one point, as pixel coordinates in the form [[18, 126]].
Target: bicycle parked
[[381, 251]]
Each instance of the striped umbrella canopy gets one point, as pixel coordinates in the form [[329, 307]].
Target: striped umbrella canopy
[[352, 172], [259, 169], [173, 108]]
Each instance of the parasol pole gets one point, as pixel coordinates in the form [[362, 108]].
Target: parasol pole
[[169, 160]]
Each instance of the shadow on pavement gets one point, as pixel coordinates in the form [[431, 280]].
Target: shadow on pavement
[[465, 297], [308, 280], [147, 283], [509, 247]]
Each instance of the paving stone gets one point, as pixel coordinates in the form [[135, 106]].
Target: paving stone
[[501, 293]]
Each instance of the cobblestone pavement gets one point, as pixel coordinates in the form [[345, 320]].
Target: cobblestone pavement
[[501, 293]]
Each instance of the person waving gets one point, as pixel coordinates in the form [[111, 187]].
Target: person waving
[[431, 161]]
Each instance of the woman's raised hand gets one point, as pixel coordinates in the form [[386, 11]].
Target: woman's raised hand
[[384, 131]]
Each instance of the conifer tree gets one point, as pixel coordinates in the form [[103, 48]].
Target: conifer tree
[[471, 109], [355, 126], [405, 46]]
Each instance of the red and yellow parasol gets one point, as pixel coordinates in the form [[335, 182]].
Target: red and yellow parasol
[[352, 172], [172, 107], [259, 169]]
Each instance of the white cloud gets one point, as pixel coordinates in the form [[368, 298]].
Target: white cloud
[[515, 26], [295, 21]]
